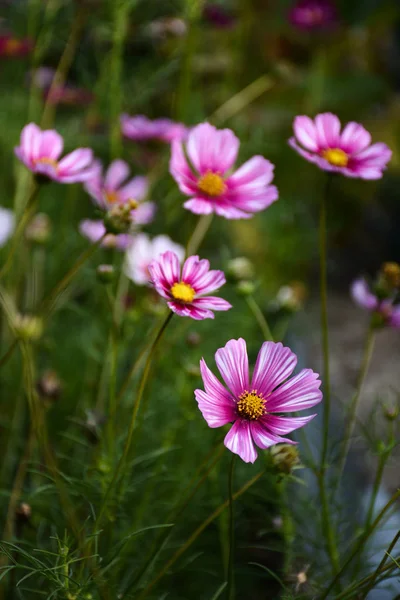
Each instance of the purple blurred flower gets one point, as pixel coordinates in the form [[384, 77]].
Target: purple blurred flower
[[94, 230], [385, 310], [140, 128], [12, 47], [313, 14]]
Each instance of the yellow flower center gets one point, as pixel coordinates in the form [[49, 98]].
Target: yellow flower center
[[335, 157], [183, 292], [47, 161], [211, 184], [112, 197], [251, 405]]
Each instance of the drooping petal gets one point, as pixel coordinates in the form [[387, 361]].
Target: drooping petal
[[298, 393], [327, 126], [239, 441], [75, 161], [189, 310], [215, 413], [284, 425], [265, 438], [362, 295], [229, 211], [199, 206], [306, 133], [117, 172], [211, 303], [354, 138], [275, 363], [254, 174], [233, 364]]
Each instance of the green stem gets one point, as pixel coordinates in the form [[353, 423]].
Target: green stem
[[361, 543], [198, 234], [377, 484], [354, 587], [259, 316], [128, 442], [112, 405], [326, 520], [196, 534], [352, 416], [230, 590], [7, 355]]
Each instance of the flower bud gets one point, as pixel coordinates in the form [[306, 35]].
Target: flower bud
[[23, 513], [105, 273], [291, 297], [49, 386], [391, 413], [39, 229], [285, 457], [240, 268], [28, 327], [119, 218], [245, 288], [391, 274]]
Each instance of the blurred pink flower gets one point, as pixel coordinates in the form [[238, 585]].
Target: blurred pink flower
[[385, 311], [12, 47], [143, 250], [218, 15], [40, 152], [313, 14], [140, 128], [111, 189], [69, 95], [250, 405], [213, 153], [94, 230], [184, 288], [348, 152], [7, 225]]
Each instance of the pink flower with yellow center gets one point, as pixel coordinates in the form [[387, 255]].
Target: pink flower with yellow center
[[40, 151], [185, 288], [348, 152], [211, 184], [140, 129], [385, 311], [94, 231], [251, 404], [115, 188]]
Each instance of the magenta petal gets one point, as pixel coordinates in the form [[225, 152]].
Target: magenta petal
[[215, 413], [170, 266], [229, 211], [199, 206], [376, 155], [51, 145], [117, 172], [180, 169], [275, 363], [211, 303], [284, 425], [233, 364], [362, 295], [305, 132], [328, 130], [394, 320], [213, 386], [354, 138], [211, 282], [298, 393], [189, 310], [239, 441], [75, 161], [264, 438]]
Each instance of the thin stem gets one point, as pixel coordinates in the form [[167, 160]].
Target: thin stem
[[379, 568], [352, 416], [259, 316], [230, 591], [48, 303], [198, 234], [7, 355], [112, 404], [354, 587], [326, 520], [128, 442], [361, 543], [377, 484], [196, 534]]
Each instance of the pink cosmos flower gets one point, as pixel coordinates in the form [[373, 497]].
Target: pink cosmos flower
[[12, 47], [348, 152], [251, 404], [385, 311], [112, 189], [94, 230], [212, 188], [185, 288], [40, 152], [143, 250], [7, 225], [313, 14], [140, 128]]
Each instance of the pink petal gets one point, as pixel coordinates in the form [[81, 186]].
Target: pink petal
[[368, 173], [239, 441], [144, 213], [170, 266], [394, 320], [233, 364], [199, 206], [93, 230], [254, 174], [284, 425], [213, 386], [180, 170], [275, 363], [376, 155], [306, 133], [254, 201], [51, 145], [135, 189], [215, 413], [327, 126], [194, 269], [354, 138], [30, 141], [189, 310], [228, 211], [299, 393], [362, 295], [75, 161], [211, 303], [210, 149], [117, 172], [264, 438]]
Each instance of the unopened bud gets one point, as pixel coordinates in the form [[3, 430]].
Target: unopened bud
[[391, 413], [49, 385], [240, 268], [28, 327], [391, 273], [105, 273], [291, 297], [23, 512], [245, 288], [119, 218], [285, 457], [39, 229]]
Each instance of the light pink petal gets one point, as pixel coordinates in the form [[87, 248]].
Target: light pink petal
[[211, 303], [30, 141], [210, 282], [224, 151], [284, 425], [199, 206], [7, 225], [254, 201], [327, 126], [144, 213], [306, 133], [170, 266], [51, 145], [265, 438], [210, 149], [354, 138], [188, 310], [117, 172], [394, 320], [362, 295], [75, 161], [215, 413], [229, 211], [135, 189], [315, 158], [93, 230], [377, 155], [233, 364], [194, 270], [239, 441], [214, 387], [298, 393], [275, 363], [180, 170], [368, 173], [254, 174]]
